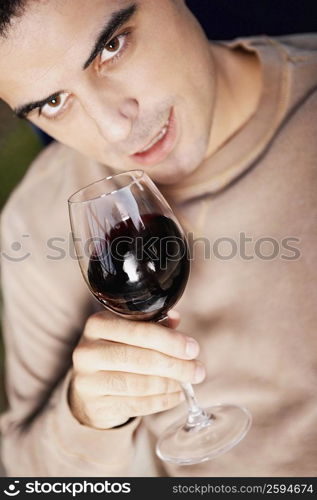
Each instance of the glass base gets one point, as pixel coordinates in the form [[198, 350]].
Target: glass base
[[223, 427]]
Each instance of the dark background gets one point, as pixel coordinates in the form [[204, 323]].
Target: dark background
[[226, 19]]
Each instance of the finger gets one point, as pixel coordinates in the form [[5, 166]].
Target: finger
[[142, 334], [140, 406], [173, 319], [124, 384], [102, 355]]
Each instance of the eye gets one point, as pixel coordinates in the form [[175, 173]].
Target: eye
[[54, 106], [113, 48]]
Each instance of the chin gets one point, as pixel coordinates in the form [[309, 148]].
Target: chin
[[167, 175], [174, 170]]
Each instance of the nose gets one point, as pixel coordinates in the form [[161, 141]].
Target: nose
[[113, 118]]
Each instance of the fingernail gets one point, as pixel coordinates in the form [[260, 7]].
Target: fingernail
[[192, 348], [200, 373]]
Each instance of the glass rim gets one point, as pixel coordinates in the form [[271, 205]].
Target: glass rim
[[138, 172]]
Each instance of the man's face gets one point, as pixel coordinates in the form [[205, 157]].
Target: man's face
[[142, 98]]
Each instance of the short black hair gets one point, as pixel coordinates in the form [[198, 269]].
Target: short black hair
[[8, 10]]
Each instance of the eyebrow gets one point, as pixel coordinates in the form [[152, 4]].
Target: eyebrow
[[117, 20], [23, 111]]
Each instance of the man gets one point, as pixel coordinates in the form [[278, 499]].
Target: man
[[228, 132]]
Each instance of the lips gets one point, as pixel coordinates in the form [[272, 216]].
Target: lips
[[160, 146], [156, 139]]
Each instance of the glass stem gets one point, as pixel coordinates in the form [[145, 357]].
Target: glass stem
[[196, 415]]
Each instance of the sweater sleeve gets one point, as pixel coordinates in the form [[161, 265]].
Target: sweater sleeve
[[56, 444], [45, 306]]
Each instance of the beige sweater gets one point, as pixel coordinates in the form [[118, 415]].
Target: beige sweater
[[254, 317]]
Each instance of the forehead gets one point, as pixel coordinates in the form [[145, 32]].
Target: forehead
[[50, 35]]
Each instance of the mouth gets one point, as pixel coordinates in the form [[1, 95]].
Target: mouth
[[160, 146]]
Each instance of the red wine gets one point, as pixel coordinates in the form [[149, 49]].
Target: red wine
[[141, 267]]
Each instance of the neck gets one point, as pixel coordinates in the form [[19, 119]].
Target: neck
[[238, 91]]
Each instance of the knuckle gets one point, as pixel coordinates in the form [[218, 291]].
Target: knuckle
[[165, 402], [141, 406], [133, 407], [170, 400], [106, 413], [156, 404], [120, 406], [135, 330], [172, 386], [138, 327], [98, 324], [167, 366], [137, 384], [166, 384], [171, 364], [159, 361], [80, 355], [92, 322], [118, 352], [97, 417], [116, 383], [78, 384], [88, 410], [141, 359]]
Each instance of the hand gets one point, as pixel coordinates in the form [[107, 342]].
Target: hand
[[125, 369]]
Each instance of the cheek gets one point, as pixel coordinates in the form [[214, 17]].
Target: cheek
[[75, 136], [70, 128], [161, 64], [80, 134]]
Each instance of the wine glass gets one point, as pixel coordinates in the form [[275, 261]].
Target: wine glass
[[134, 257]]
